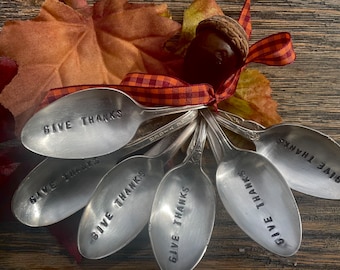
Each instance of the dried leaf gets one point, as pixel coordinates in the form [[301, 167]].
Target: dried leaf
[[8, 69], [6, 125], [76, 4], [91, 45], [253, 100]]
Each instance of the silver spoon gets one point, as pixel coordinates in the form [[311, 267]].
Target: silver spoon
[[183, 212], [121, 205], [57, 188], [250, 124], [89, 123], [255, 194], [307, 158]]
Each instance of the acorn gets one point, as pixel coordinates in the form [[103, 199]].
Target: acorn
[[218, 50]]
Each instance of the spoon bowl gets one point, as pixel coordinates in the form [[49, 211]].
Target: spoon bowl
[[183, 212], [307, 158], [57, 188], [255, 194], [89, 123], [120, 207]]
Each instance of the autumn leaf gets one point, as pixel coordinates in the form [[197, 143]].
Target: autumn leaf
[[8, 69], [253, 99], [97, 44], [76, 4]]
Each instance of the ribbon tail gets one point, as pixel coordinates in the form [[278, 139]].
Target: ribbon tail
[[244, 19], [156, 90], [228, 88], [274, 50], [149, 90]]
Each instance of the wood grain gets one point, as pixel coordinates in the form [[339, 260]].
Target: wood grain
[[308, 92]]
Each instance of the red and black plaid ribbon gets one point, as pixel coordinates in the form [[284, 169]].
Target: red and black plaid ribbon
[[160, 90]]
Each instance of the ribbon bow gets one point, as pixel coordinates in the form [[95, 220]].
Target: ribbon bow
[[160, 90]]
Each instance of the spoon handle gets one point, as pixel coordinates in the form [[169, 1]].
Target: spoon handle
[[161, 132], [249, 134], [226, 145], [149, 113], [240, 121], [215, 145], [196, 146], [163, 144], [154, 136], [170, 151]]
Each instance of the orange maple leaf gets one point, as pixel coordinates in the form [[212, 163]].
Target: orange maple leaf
[[96, 44]]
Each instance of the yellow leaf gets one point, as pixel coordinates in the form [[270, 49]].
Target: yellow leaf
[[253, 99]]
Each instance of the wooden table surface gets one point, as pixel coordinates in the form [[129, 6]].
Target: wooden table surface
[[308, 93]]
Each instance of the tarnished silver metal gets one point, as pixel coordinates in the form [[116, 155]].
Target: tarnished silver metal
[[255, 194], [57, 188], [250, 124], [121, 205], [308, 159], [183, 212], [89, 123]]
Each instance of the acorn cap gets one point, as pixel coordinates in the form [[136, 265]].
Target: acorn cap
[[230, 29]]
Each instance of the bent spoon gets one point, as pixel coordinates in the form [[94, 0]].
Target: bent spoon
[[89, 123], [57, 188], [121, 205], [183, 211], [308, 159], [255, 194]]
